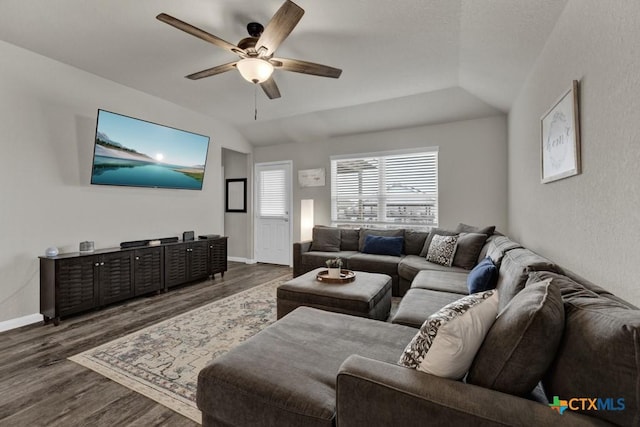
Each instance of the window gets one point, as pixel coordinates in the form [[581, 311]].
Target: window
[[386, 189], [272, 193]]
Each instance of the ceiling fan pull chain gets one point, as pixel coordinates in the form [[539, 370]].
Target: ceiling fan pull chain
[[255, 102]]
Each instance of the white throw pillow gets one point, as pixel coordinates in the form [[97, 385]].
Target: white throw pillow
[[448, 340], [442, 249]]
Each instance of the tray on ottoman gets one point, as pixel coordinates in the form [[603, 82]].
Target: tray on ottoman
[[368, 295]]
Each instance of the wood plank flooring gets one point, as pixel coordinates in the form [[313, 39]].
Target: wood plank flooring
[[40, 387]]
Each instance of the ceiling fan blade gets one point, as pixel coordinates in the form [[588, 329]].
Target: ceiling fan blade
[[279, 27], [305, 67], [201, 34], [270, 88], [212, 71]]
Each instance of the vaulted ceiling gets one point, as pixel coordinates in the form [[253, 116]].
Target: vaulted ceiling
[[405, 63]]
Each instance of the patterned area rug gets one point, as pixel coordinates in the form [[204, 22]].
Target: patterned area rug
[[162, 361]]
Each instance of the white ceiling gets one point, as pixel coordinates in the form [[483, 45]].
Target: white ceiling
[[405, 63]]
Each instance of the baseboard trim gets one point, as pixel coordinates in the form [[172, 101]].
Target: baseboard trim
[[20, 321], [239, 259]]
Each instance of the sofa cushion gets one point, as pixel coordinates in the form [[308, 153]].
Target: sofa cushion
[[319, 259], [383, 245], [568, 288], [442, 250], [465, 228], [447, 342], [411, 265], [326, 239], [434, 232], [377, 232], [418, 304], [498, 246], [349, 239], [386, 264], [483, 276], [414, 241], [438, 280], [522, 343], [293, 379], [469, 247], [514, 272], [599, 356]]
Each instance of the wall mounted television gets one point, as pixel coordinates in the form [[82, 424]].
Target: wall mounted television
[[138, 153]]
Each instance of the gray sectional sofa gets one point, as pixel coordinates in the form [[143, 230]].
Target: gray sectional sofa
[[317, 368]]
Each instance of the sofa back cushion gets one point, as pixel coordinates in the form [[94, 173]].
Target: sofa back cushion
[[514, 272], [414, 241], [522, 342], [599, 357], [375, 232], [326, 239], [350, 238], [466, 228], [498, 246], [469, 247]]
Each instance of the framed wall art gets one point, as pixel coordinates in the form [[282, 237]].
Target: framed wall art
[[560, 138], [311, 177], [236, 195]]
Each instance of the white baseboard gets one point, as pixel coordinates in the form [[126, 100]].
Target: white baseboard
[[20, 321], [238, 259]]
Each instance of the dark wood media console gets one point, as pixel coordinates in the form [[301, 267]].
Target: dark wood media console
[[76, 282]]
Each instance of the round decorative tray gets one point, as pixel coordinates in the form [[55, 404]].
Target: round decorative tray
[[346, 276]]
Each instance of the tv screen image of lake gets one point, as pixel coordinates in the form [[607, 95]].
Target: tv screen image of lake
[[156, 156]]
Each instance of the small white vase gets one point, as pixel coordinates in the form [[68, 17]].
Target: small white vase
[[333, 273]]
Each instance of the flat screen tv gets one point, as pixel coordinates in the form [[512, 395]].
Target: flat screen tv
[[134, 152]]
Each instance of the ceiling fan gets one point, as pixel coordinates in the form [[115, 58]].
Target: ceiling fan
[[257, 62]]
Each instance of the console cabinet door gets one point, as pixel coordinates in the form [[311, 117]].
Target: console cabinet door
[[147, 270], [218, 256], [77, 285], [198, 260], [175, 264], [115, 277]]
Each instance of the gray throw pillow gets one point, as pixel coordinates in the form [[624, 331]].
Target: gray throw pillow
[[350, 238], [465, 228], [469, 247], [433, 232], [522, 343], [326, 239], [414, 241]]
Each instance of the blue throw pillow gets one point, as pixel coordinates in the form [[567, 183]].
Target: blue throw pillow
[[383, 245], [483, 277]]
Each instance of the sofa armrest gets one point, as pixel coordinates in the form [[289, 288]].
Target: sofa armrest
[[298, 249], [370, 393]]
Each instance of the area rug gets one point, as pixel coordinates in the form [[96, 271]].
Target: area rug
[[162, 361]]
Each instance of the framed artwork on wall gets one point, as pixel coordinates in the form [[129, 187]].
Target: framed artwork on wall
[[560, 138], [236, 195], [311, 177]]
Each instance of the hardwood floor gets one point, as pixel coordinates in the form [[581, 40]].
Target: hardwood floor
[[40, 387]]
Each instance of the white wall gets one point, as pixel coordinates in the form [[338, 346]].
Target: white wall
[[47, 125], [472, 167], [589, 223]]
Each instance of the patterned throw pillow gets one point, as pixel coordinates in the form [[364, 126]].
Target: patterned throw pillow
[[448, 340], [442, 249]]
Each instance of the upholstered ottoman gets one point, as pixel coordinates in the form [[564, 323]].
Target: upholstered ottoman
[[369, 295]]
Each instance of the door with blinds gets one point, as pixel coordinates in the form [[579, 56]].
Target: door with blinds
[[273, 204]]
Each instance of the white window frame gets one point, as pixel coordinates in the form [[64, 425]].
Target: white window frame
[[383, 199]]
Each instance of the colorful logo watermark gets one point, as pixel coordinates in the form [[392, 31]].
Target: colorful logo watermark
[[587, 404]]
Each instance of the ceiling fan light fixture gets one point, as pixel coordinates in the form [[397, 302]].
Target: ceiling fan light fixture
[[255, 70]]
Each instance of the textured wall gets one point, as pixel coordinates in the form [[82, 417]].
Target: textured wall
[[590, 222], [472, 167], [47, 126]]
